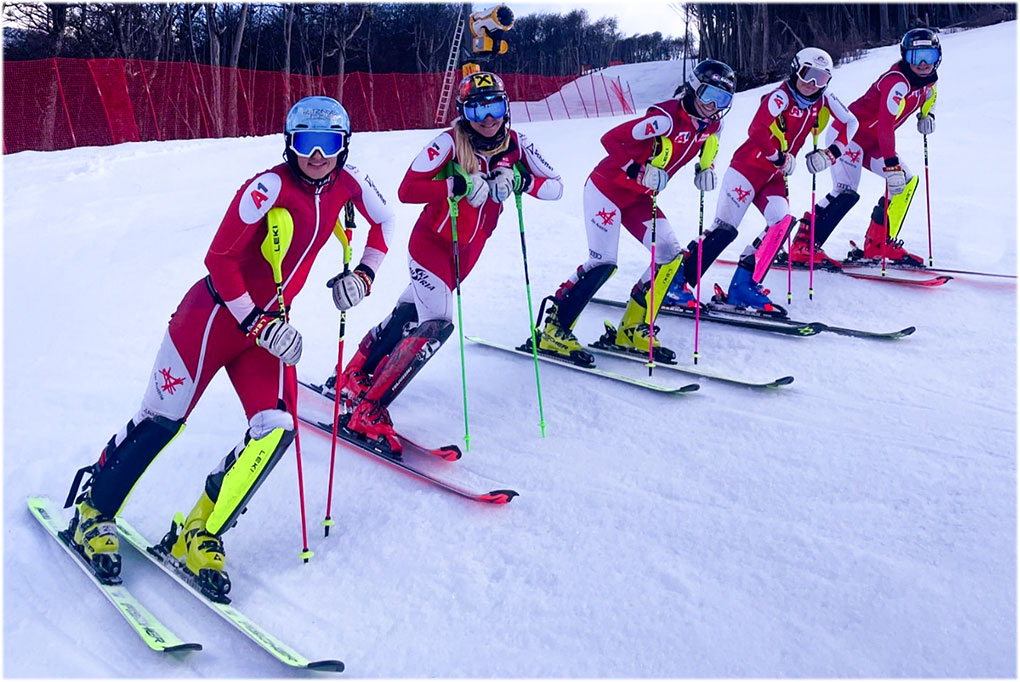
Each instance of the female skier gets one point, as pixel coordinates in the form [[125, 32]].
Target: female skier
[[473, 165], [759, 168], [232, 319]]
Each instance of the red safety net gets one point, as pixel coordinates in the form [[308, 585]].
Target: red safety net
[[63, 103]]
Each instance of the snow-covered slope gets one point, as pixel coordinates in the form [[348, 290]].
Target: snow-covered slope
[[859, 523]]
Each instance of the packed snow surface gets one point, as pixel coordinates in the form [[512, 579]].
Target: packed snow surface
[[858, 523]]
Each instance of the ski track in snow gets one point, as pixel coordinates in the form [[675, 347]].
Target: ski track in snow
[[858, 523]]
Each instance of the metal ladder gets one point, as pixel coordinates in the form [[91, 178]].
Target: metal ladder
[[451, 74]]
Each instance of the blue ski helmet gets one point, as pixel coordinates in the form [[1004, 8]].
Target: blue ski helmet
[[317, 124]]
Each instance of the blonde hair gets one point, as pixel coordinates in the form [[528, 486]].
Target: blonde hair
[[464, 152]]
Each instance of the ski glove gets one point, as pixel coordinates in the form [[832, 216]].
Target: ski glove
[[652, 177], [479, 190], [349, 289], [926, 124], [704, 180], [527, 179], [785, 163], [273, 334], [501, 184], [895, 178], [820, 159]]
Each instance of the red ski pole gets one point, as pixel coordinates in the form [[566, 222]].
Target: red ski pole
[[345, 239]]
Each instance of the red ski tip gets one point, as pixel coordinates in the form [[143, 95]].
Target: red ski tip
[[498, 497]]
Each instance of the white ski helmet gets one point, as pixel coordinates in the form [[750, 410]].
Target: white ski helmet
[[811, 65]]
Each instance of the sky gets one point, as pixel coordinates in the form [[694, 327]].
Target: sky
[[646, 16]]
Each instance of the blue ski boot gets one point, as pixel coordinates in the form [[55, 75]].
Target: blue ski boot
[[678, 295], [744, 291]]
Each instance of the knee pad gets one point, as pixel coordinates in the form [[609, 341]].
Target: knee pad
[[381, 341], [245, 468], [407, 359], [827, 218], [715, 242], [123, 461], [576, 297]]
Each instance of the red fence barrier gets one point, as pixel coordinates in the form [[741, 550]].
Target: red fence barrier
[[62, 103]]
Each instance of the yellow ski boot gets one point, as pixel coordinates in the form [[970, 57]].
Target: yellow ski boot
[[201, 551], [558, 340], [95, 536], [634, 335]]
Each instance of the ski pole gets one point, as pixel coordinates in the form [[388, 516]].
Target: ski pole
[[662, 152], [925, 111], [886, 225], [280, 232], [454, 212], [708, 152], [651, 294], [927, 200], [811, 260], [527, 287], [345, 239]]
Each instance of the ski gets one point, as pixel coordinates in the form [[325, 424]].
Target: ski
[[450, 453], [921, 268], [588, 370], [232, 615], [748, 319], [931, 281], [606, 346], [157, 636], [420, 463]]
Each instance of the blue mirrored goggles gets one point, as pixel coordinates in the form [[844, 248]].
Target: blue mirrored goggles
[[924, 55], [329, 143], [710, 94], [478, 110]]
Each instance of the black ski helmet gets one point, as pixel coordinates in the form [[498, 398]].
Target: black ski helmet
[[482, 86], [707, 72], [917, 38]]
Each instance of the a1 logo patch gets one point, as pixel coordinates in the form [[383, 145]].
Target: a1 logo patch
[[259, 196]]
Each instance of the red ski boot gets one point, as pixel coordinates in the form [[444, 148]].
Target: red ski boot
[[800, 251], [877, 244], [372, 420]]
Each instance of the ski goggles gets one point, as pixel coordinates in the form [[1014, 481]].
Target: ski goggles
[[329, 143], [710, 94], [478, 110], [812, 74], [923, 55]]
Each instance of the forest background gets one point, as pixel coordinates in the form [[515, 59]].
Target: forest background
[[325, 39]]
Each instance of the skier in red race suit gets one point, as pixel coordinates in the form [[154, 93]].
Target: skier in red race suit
[[231, 319], [908, 86], [643, 155], [472, 163], [757, 174]]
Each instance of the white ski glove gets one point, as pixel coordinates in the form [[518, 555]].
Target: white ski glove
[[926, 124], [704, 180], [820, 159], [652, 177], [501, 184], [785, 163], [895, 178], [479, 190], [273, 334], [349, 289]]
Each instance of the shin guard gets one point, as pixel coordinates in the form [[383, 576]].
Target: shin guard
[[407, 359], [664, 276], [898, 207], [382, 339], [247, 467], [767, 246], [714, 242], [123, 461], [827, 218], [572, 298]]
